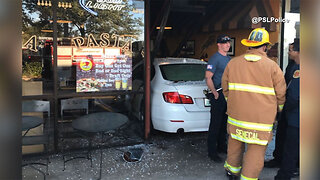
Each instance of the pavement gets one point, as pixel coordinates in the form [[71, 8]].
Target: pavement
[[165, 156]]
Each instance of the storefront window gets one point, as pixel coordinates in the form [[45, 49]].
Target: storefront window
[[291, 28], [37, 58], [95, 44], [98, 42]]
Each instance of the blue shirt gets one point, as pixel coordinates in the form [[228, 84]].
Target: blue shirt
[[216, 64]]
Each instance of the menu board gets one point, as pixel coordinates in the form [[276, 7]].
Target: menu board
[[102, 69]]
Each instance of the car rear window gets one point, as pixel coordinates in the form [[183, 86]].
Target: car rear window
[[183, 72]]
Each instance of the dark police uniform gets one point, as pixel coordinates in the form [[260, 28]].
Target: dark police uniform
[[282, 123], [291, 147]]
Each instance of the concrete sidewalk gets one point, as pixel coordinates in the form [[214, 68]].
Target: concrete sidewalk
[[165, 156]]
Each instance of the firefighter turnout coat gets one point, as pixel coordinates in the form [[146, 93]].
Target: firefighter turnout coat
[[254, 88]]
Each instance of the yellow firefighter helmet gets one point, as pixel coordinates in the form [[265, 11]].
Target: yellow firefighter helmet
[[257, 37]]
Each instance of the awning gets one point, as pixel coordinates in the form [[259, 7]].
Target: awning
[[239, 15]]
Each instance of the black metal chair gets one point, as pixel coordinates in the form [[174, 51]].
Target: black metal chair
[[73, 104], [99, 123], [31, 122]]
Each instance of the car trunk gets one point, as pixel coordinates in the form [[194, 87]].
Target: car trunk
[[193, 89]]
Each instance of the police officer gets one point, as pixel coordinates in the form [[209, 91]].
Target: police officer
[[282, 122], [254, 87], [217, 129], [290, 155]]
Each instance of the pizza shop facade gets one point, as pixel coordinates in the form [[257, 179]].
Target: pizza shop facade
[[77, 65]]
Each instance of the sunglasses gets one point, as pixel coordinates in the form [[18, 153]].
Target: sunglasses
[[225, 39]]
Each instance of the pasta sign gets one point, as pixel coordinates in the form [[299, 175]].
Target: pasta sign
[[120, 41], [115, 5]]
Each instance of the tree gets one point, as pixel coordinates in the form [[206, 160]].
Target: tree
[[121, 22]]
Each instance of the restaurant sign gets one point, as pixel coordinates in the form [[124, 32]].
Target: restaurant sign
[[102, 65], [115, 5], [102, 69]]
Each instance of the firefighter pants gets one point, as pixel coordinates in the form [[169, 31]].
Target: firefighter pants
[[249, 164]]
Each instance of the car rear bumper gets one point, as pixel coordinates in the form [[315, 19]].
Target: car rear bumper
[[188, 121]]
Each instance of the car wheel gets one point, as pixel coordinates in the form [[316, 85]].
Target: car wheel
[[142, 117]]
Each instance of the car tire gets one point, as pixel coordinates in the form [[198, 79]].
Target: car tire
[[142, 118]]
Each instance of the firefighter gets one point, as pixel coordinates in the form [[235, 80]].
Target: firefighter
[[254, 88]]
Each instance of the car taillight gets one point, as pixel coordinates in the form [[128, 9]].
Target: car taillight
[[186, 99], [176, 98]]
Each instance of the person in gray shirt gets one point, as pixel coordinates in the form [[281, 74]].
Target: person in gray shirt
[[218, 120]]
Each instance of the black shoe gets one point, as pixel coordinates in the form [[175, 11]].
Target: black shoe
[[272, 164], [216, 158], [231, 176]]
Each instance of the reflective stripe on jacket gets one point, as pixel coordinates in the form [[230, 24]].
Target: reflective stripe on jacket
[[254, 87]]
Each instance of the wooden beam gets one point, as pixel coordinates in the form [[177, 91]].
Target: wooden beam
[[163, 24]]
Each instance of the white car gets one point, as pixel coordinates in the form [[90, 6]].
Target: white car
[[178, 103]]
